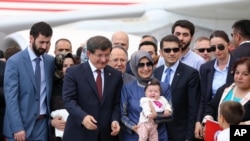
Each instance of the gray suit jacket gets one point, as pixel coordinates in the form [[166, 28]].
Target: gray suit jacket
[[21, 93]]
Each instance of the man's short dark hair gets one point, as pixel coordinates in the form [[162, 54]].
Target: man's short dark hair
[[98, 42], [41, 28], [170, 38], [243, 27], [184, 24], [148, 43]]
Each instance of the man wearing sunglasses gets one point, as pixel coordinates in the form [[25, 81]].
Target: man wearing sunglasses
[[184, 81], [202, 48], [241, 38], [184, 30]]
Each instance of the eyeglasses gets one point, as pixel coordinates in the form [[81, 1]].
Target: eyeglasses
[[148, 64], [168, 50], [201, 50], [219, 47]]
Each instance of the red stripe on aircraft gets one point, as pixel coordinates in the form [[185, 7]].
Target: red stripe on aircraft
[[69, 2], [33, 9]]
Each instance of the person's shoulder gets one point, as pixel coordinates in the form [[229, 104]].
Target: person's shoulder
[[187, 67], [111, 70], [208, 64]]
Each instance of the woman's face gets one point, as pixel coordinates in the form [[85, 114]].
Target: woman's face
[[218, 43], [68, 62], [145, 68], [242, 77]]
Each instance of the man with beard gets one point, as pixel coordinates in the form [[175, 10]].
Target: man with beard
[[27, 88], [184, 30]]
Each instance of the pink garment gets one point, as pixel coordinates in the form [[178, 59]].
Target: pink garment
[[148, 131]]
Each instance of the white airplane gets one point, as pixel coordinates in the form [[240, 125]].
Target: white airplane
[[80, 19]]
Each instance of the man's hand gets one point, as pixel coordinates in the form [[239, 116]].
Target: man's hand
[[58, 123], [198, 132], [19, 136], [115, 127], [89, 122]]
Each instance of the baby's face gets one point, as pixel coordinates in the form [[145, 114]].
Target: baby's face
[[153, 92]]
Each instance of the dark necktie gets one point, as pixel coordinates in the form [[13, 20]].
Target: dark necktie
[[38, 74], [167, 78], [99, 83], [38, 79]]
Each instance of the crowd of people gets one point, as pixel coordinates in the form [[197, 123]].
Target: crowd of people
[[100, 94]]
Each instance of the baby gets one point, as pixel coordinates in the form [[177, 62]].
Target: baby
[[147, 128]]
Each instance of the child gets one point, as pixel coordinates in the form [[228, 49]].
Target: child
[[147, 128], [230, 113]]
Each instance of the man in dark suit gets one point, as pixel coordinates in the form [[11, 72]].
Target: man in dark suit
[[94, 110], [241, 38], [2, 101], [27, 97], [184, 81]]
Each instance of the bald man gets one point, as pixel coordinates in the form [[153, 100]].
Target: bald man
[[120, 38]]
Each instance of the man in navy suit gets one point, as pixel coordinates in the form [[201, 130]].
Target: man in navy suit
[[94, 112], [241, 38], [27, 98], [184, 81]]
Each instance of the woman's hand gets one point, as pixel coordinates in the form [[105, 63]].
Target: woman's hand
[[154, 114], [58, 123], [166, 113]]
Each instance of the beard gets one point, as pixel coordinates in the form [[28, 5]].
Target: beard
[[37, 51], [186, 46]]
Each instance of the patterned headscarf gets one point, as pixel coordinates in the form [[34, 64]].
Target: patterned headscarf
[[135, 60], [59, 59]]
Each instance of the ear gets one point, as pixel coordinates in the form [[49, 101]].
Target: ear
[[31, 38], [88, 53], [161, 52]]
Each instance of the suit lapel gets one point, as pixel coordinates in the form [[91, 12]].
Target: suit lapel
[[28, 67], [177, 76], [107, 78], [90, 77]]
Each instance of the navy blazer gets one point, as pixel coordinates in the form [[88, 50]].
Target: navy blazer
[[81, 98], [185, 100], [207, 74], [242, 51]]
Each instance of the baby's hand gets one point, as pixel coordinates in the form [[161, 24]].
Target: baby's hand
[[151, 116], [167, 113]]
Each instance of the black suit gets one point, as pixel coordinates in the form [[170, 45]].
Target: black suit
[[185, 99], [81, 98], [207, 74], [242, 51], [2, 101]]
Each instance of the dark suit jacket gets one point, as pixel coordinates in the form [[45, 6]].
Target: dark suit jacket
[[207, 74], [242, 51], [185, 99], [81, 99], [2, 101]]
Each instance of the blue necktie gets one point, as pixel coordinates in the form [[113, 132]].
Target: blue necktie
[[167, 78], [38, 74]]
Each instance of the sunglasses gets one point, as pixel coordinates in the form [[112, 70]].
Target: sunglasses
[[168, 50], [219, 47], [148, 64], [201, 50]]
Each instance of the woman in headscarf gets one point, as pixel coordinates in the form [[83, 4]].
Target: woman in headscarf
[[62, 62], [141, 65]]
